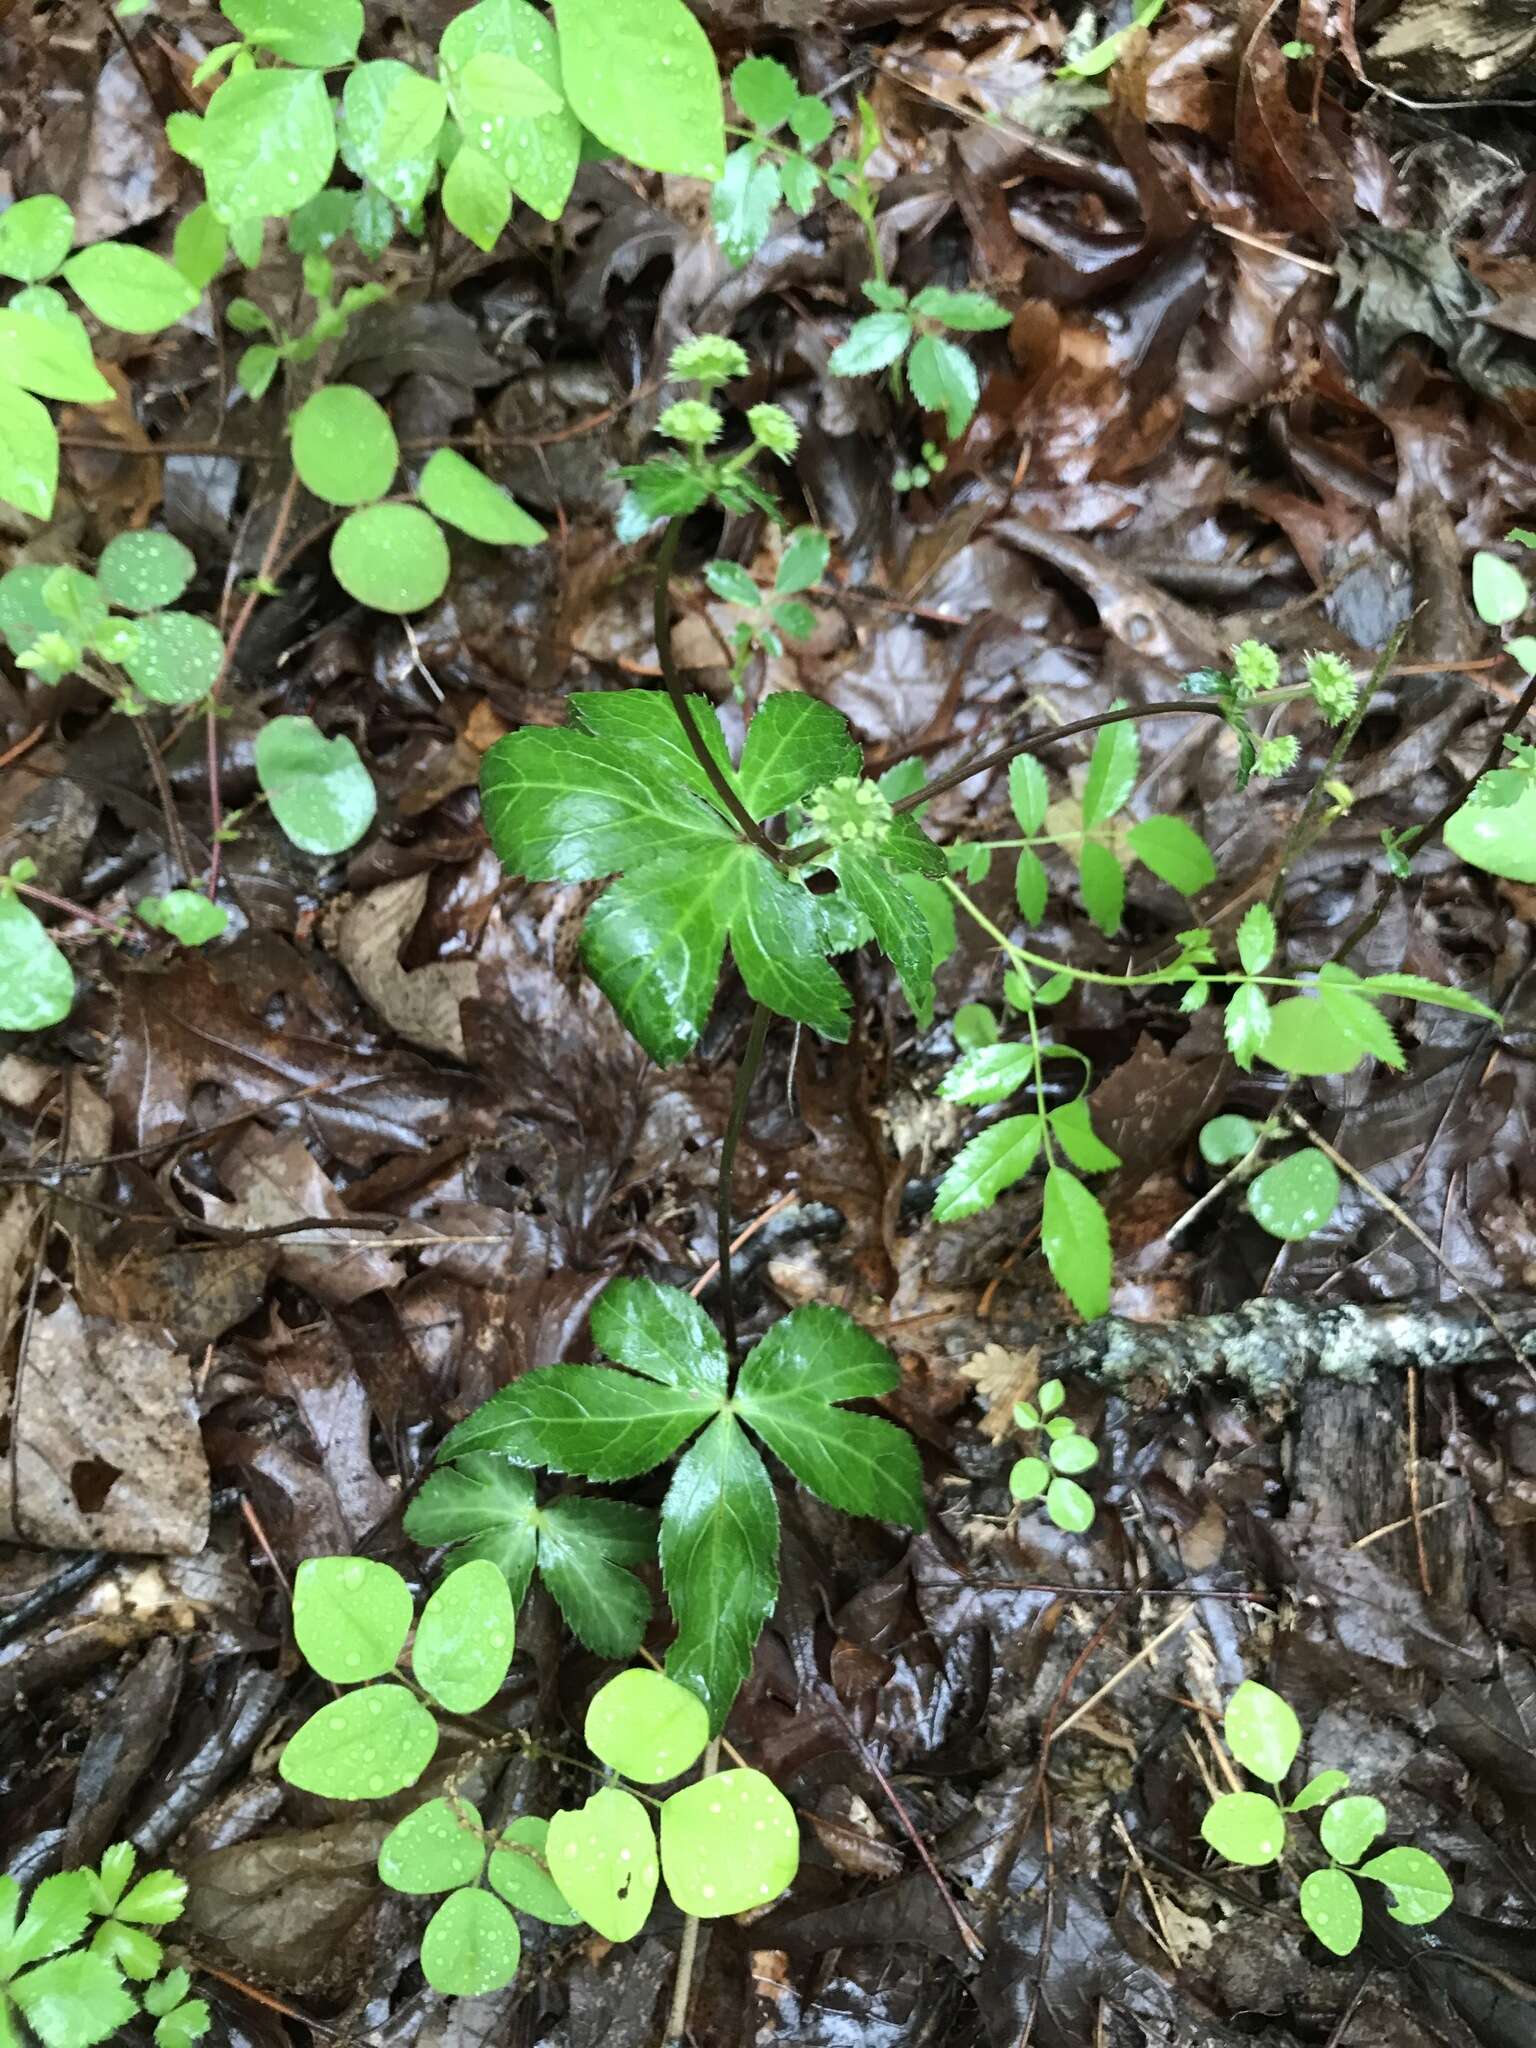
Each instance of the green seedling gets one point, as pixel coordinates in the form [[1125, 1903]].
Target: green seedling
[[1047, 1474], [783, 616]]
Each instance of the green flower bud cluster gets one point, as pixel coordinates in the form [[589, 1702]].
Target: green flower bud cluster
[[850, 810]]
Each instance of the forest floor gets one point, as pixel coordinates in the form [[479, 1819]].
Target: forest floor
[[1271, 375]]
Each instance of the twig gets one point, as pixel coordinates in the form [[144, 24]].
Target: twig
[[744, 1237], [22, 746], [1142, 1656], [180, 853]]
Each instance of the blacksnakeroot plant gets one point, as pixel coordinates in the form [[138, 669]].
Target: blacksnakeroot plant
[[1047, 1474]]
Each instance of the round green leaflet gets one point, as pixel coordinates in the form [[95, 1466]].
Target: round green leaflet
[[140, 572], [366, 1745], [602, 1856], [189, 917], [319, 790], [350, 1617], [520, 1872], [35, 235], [178, 658], [1498, 589], [36, 984], [471, 1946], [462, 496], [728, 1843], [1420, 1889], [1350, 1826], [434, 1849], [1319, 1790], [646, 1727], [1029, 1478], [1245, 1827], [393, 557], [1068, 1506], [464, 1638], [1499, 838], [1226, 1139], [1262, 1731], [1074, 1453], [29, 453], [1330, 1905], [1296, 1196], [344, 447]]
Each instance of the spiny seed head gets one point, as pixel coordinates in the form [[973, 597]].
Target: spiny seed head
[[1332, 683], [709, 360], [851, 810], [773, 429], [1255, 667], [692, 422], [1277, 756]]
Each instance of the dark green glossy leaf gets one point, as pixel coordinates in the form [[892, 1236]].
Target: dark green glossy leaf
[[986, 1166], [664, 1334], [585, 1550], [646, 719], [794, 744], [587, 1419], [487, 1507], [900, 929], [719, 1563]]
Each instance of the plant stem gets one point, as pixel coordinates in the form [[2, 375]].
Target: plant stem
[[746, 1074], [677, 2016], [69, 909], [666, 557]]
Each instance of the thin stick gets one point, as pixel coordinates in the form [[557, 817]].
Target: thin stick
[[22, 746], [1415, 1507], [746, 1074], [744, 1237], [180, 852], [1148, 1650], [677, 2019]]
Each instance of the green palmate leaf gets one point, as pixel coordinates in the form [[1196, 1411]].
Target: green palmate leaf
[[1295, 1197], [742, 203], [1074, 1232], [465, 497], [900, 929], [1029, 792], [1498, 838], [391, 120], [822, 1350], [1330, 1905], [366, 1745], [943, 379], [29, 452], [1350, 1826], [1068, 1506], [1311, 1036], [664, 1334], [1112, 770], [464, 1640], [602, 1857], [1420, 1889], [536, 152], [50, 357], [471, 1945], [73, 2001], [989, 1073], [986, 1166], [1245, 1827], [350, 1617], [393, 557], [200, 246], [319, 790], [1499, 591], [646, 719], [477, 197], [1319, 1790], [434, 1849], [586, 1551], [1174, 852], [519, 1871], [1103, 885], [37, 987], [344, 447], [1226, 1139], [794, 744], [130, 289], [35, 237], [318, 32], [176, 659], [640, 74], [1247, 1024], [1072, 1128], [1256, 938], [729, 1844], [267, 143], [872, 343], [584, 1419], [801, 567], [1262, 1731], [765, 92], [719, 1564], [646, 1728], [487, 1507], [142, 571], [56, 1917]]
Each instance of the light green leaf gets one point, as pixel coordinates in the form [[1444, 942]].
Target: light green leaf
[[1246, 1828], [1498, 838], [1349, 1827], [344, 447], [729, 1844], [51, 357], [140, 572], [519, 1870], [1175, 853], [664, 1334], [156, 1900], [477, 197], [1029, 1478], [114, 1872], [200, 246], [1113, 768], [585, 1550], [319, 790], [801, 567], [1029, 792], [322, 33], [974, 1026], [872, 343], [1319, 1790], [794, 744], [1309, 1036], [471, 1945], [29, 452], [495, 87], [1247, 1024], [1074, 1232], [587, 1419], [135, 1953], [719, 1564], [177, 659], [1052, 1394], [392, 117], [1226, 1139], [602, 1857], [256, 368], [56, 1916], [1072, 1127], [1417, 988], [1420, 1889], [731, 583], [1330, 1905], [900, 929], [350, 1617], [368, 1744], [1068, 1506], [465, 497], [74, 2001], [487, 1507], [742, 203], [35, 236], [267, 144], [989, 1073], [393, 557], [1262, 1731], [646, 1728], [943, 379], [765, 91], [537, 153], [1295, 1197], [129, 288], [640, 74], [986, 1166], [1499, 591], [1103, 885], [434, 1849], [37, 986], [647, 720], [1073, 1453], [464, 1639], [1031, 885]]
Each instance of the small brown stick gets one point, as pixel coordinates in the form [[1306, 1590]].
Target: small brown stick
[[22, 746], [1142, 1656], [742, 1237]]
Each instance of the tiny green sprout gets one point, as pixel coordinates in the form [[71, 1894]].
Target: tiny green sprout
[[692, 423], [1255, 667], [188, 916], [1296, 50], [1277, 755], [1035, 1477], [850, 810], [50, 650], [1332, 683], [773, 429], [709, 361]]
